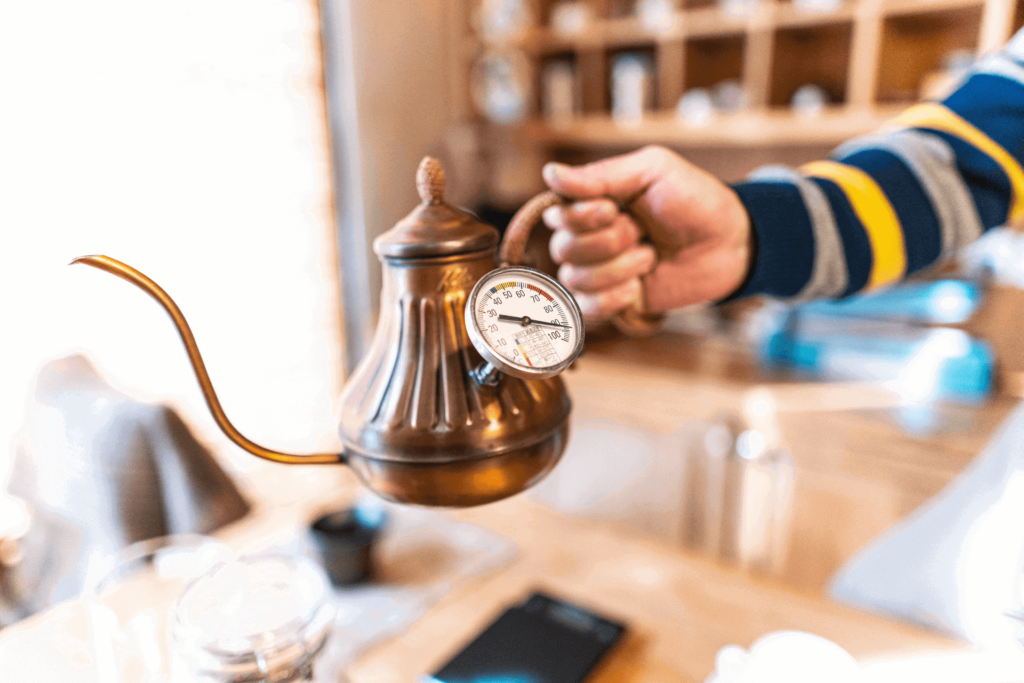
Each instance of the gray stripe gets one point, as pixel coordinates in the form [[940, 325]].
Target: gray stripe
[[933, 163], [1000, 65], [828, 274]]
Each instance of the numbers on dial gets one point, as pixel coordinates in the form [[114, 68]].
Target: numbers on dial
[[537, 326]]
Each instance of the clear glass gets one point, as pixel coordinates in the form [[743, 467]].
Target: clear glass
[[128, 597], [265, 618]]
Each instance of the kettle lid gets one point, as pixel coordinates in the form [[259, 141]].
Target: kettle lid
[[434, 228]]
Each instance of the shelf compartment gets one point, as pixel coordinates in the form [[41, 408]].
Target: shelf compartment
[[709, 61], [540, 85], [815, 54], [913, 45], [618, 9]]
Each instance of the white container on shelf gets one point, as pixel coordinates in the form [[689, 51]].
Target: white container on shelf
[[728, 96], [632, 87], [739, 8], [809, 100], [571, 17], [657, 16], [695, 107], [501, 85], [503, 20]]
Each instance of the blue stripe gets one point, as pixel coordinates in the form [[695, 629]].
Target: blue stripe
[[922, 233], [785, 238], [995, 106], [986, 180], [859, 258]]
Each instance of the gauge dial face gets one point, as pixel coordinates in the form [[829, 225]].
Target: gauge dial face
[[524, 323]]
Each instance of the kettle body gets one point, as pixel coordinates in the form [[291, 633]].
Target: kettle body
[[417, 427]]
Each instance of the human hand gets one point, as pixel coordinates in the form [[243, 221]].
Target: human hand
[[599, 249]]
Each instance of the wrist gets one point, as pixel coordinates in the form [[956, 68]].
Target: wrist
[[782, 241], [748, 251]]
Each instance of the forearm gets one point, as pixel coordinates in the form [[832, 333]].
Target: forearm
[[893, 203]]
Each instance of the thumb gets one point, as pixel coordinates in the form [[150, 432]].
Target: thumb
[[621, 178]]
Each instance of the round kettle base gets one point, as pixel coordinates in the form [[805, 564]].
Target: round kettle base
[[462, 483]]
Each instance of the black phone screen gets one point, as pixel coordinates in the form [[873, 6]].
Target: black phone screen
[[543, 640]]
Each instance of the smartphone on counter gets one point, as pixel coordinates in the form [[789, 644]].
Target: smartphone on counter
[[541, 640]]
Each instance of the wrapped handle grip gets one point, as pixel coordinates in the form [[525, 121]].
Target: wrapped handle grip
[[635, 320]]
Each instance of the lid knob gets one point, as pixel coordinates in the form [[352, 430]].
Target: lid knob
[[430, 181]]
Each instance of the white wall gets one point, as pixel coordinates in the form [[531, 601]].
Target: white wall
[[395, 100], [188, 139]]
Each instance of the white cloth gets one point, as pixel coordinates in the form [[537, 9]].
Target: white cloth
[[101, 471], [955, 563]]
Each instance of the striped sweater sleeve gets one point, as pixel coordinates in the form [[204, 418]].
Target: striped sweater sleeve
[[887, 205]]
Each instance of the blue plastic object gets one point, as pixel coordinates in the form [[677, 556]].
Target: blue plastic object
[[944, 302]]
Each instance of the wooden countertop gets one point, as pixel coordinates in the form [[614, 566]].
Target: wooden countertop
[[681, 608], [859, 468]]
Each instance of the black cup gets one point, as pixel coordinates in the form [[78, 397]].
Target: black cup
[[345, 541]]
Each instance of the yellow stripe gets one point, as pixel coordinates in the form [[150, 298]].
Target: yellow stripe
[[938, 117], [876, 214]]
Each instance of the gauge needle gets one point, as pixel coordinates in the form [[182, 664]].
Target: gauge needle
[[527, 320]]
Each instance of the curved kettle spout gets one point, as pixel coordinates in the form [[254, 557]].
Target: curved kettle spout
[[126, 272]]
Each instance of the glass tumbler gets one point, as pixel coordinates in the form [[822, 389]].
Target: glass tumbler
[[264, 618]]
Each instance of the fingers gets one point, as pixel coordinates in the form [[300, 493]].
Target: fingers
[[567, 246], [632, 263], [582, 216], [620, 177], [602, 305]]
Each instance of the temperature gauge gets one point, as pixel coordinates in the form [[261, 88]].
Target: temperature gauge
[[523, 323]]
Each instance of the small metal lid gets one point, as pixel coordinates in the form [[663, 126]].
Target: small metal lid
[[434, 228]]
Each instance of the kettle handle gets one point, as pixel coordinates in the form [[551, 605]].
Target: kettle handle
[[634, 320], [126, 272]]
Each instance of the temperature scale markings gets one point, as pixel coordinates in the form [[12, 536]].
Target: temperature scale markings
[[541, 292], [523, 351], [506, 285]]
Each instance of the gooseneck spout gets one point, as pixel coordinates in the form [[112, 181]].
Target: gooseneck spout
[[126, 272]]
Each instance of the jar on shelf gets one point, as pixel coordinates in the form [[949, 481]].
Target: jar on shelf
[[503, 20], [632, 87], [571, 17], [501, 85]]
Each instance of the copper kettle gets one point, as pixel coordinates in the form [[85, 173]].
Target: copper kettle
[[425, 418]]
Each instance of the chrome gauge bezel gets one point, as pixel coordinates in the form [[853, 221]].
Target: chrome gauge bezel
[[496, 359]]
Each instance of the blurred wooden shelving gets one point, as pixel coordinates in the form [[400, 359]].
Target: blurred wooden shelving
[[766, 128], [871, 57]]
